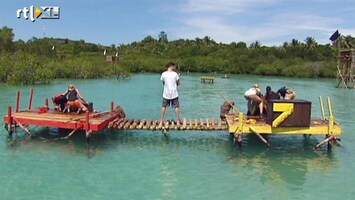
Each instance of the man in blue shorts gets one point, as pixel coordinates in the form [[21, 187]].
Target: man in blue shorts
[[171, 82]]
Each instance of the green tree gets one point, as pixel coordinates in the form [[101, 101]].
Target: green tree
[[311, 43], [255, 45], [163, 37], [6, 39]]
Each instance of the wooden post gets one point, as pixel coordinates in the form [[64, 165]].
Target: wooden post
[[31, 99], [9, 114], [47, 103], [112, 106], [238, 139], [87, 116], [18, 101]]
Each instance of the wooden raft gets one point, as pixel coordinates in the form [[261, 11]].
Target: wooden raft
[[191, 124], [207, 79]]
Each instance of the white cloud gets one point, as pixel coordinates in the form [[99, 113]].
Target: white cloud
[[224, 21], [304, 22], [221, 6]]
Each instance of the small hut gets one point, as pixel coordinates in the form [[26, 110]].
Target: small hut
[[112, 58]]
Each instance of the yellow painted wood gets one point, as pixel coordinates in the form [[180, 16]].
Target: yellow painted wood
[[261, 127], [286, 109], [322, 107]]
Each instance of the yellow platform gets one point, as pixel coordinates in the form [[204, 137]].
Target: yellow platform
[[252, 125], [241, 124]]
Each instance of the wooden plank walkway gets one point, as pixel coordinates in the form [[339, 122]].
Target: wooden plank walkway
[[187, 124]]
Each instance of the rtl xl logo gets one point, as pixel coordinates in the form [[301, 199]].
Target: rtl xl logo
[[43, 12]]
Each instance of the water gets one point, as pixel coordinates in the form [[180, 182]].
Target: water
[[187, 165]]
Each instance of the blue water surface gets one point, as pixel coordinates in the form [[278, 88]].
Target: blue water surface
[[184, 165]]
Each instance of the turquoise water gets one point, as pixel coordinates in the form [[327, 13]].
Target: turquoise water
[[186, 165]]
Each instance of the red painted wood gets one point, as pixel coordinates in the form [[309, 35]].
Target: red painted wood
[[18, 101]]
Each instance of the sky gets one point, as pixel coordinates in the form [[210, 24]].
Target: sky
[[117, 22]]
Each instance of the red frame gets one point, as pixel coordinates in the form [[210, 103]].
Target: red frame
[[80, 125]]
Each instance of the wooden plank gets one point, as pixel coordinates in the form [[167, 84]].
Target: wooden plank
[[219, 125], [120, 126], [207, 124], [134, 124], [128, 124], [172, 125], [196, 126], [118, 123], [177, 125], [166, 125], [147, 125], [189, 126], [153, 124], [213, 124], [160, 125], [110, 125], [184, 124], [202, 125], [141, 124]]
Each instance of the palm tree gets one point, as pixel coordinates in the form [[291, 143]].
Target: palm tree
[[295, 43], [285, 44], [198, 41], [310, 43], [255, 45]]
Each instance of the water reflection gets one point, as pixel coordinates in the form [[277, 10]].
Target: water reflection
[[287, 163], [286, 150]]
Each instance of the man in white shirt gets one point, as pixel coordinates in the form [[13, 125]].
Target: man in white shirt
[[252, 96], [171, 82]]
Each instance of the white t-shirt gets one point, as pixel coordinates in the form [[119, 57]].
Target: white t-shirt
[[252, 91], [170, 79]]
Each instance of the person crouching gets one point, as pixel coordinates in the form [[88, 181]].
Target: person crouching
[[75, 99], [253, 96]]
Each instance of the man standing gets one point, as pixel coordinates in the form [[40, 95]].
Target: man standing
[[171, 82]]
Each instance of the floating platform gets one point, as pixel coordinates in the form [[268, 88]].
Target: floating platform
[[51, 118], [256, 124], [207, 79], [286, 117], [44, 116]]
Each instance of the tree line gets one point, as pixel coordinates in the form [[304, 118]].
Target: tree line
[[42, 60]]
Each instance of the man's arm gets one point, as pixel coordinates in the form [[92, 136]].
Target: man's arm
[[162, 78], [177, 80]]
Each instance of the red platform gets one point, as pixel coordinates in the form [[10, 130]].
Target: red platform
[[46, 117]]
